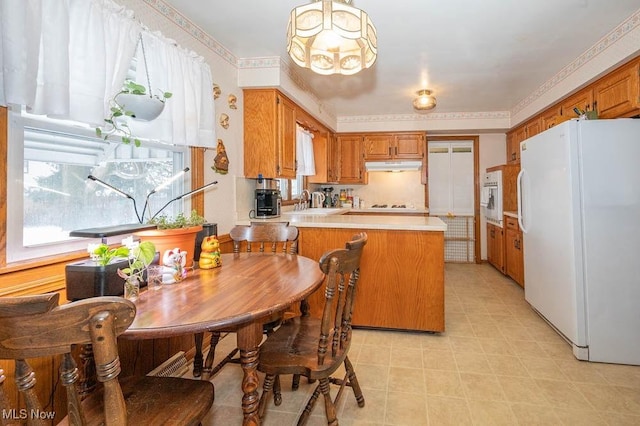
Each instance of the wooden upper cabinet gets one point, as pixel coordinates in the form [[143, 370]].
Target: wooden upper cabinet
[[325, 157], [390, 146], [532, 128], [351, 160], [513, 144], [618, 94], [582, 100], [286, 140], [550, 118], [269, 134]]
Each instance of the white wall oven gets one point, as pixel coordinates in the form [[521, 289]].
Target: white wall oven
[[491, 197]]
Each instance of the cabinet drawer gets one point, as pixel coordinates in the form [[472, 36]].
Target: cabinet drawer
[[512, 223]]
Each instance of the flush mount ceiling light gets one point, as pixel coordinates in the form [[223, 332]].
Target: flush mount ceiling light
[[424, 101], [331, 37]]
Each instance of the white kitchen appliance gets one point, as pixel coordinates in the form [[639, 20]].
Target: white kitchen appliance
[[579, 210], [491, 197]]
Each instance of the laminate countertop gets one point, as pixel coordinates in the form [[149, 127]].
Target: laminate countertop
[[389, 222]]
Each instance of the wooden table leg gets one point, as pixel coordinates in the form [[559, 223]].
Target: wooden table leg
[[249, 337]]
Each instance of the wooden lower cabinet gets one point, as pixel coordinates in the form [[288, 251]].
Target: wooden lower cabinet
[[495, 246], [514, 259], [401, 276]]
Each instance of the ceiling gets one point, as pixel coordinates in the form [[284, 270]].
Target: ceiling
[[475, 55]]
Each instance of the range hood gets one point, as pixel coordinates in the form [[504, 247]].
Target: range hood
[[392, 166]]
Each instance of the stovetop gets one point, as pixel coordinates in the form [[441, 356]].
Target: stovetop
[[386, 206]]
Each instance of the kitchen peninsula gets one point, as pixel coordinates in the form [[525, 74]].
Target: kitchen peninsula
[[402, 268]]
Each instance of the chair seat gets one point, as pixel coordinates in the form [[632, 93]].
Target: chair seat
[[293, 349], [144, 396]]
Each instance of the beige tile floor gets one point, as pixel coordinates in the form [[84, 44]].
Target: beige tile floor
[[498, 363]]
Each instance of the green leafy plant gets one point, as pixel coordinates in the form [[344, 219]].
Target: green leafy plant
[[140, 256], [102, 254], [114, 123], [180, 221]]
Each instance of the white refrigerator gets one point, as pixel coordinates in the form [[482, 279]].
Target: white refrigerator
[[579, 210]]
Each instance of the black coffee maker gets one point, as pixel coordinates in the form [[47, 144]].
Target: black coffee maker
[[268, 200]]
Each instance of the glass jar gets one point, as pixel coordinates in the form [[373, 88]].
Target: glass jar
[[131, 288]]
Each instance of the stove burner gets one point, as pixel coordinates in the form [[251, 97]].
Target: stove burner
[[399, 206], [379, 206]]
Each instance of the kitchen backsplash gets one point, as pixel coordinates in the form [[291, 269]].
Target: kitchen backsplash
[[387, 187]]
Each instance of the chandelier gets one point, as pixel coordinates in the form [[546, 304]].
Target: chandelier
[[424, 101], [331, 37]]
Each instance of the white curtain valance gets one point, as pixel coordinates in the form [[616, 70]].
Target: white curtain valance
[[67, 58], [304, 152]]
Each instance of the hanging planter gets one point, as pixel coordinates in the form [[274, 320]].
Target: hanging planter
[[135, 102], [144, 108]]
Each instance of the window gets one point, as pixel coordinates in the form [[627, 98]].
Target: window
[[49, 194], [291, 189]]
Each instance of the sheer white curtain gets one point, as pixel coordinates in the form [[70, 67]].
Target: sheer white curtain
[[67, 58], [188, 116], [63, 58], [304, 152]]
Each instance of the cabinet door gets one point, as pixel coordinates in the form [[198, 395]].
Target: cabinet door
[[617, 94], [532, 128], [495, 246], [582, 100], [286, 140], [513, 145], [378, 147], [514, 261], [550, 118], [351, 159], [409, 146]]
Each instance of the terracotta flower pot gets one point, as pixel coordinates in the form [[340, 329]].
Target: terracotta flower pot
[[168, 239]]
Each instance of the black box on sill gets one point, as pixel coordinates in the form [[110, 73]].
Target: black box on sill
[[86, 279]]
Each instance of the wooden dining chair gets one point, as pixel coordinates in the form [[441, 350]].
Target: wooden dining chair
[[263, 237], [35, 326], [317, 347]]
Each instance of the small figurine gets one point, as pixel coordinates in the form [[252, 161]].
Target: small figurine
[[174, 262], [224, 121], [210, 254], [232, 101], [221, 161]]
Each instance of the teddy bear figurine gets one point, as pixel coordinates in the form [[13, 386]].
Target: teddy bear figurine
[[210, 254]]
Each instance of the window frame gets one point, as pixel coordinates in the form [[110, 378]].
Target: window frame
[[14, 125]]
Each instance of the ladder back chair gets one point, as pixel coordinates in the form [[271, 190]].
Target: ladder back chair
[[317, 347], [35, 326], [263, 237]]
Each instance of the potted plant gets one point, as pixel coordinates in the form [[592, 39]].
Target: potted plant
[[177, 232], [131, 101], [140, 256]]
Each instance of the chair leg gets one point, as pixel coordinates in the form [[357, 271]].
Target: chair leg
[[295, 382], [329, 407], [277, 394], [309, 407], [215, 338], [197, 359], [267, 387], [353, 381]]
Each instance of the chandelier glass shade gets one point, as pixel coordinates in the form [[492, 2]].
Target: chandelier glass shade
[[331, 37], [424, 101]]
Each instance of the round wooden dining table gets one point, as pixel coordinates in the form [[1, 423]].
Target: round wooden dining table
[[241, 294]]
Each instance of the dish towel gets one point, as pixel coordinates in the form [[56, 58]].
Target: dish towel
[[485, 194]]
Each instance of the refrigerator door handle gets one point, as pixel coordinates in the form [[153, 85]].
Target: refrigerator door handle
[[519, 191]]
